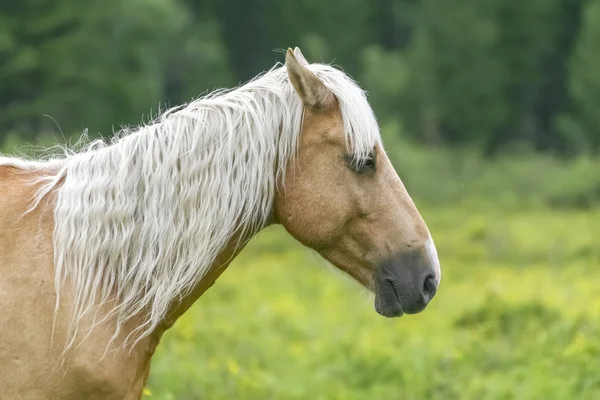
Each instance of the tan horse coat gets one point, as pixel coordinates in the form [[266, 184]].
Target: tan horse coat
[[30, 364]]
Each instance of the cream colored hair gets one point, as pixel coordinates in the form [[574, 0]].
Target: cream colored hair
[[141, 219]]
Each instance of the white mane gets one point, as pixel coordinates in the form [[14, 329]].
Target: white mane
[[144, 217]]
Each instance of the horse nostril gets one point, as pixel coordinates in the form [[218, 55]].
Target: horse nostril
[[429, 287]]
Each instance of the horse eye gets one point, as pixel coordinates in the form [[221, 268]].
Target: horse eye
[[362, 166], [369, 162]]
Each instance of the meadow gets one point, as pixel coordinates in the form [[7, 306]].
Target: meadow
[[517, 314]]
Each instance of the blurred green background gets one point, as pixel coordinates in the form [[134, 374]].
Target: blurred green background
[[489, 112]]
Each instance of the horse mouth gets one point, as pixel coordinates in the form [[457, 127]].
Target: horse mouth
[[387, 300]]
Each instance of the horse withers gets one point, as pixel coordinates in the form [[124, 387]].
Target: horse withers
[[103, 249]]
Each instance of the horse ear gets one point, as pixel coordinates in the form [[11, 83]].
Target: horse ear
[[309, 87], [300, 56]]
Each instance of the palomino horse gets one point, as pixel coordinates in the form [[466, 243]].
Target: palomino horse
[[103, 249]]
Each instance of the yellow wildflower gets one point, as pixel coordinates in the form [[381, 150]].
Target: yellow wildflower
[[233, 367]]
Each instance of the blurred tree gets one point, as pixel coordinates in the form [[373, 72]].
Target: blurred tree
[[244, 29], [254, 30], [554, 98], [482, 74], [85, 64], [394, 22], [489, 74], [332, 31], [385, 76], [455, 76], [581, 126], [197, 60], [535, 39]]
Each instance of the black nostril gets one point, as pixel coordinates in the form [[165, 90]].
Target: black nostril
[[429, 287]]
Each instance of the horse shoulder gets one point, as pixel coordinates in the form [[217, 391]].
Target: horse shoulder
[[30, 368]]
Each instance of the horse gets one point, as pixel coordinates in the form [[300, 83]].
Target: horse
[[103, 248]]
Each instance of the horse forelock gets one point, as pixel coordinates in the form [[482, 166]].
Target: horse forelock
[[144, 217]]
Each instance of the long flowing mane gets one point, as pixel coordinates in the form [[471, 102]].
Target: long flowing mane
[[140, 219]]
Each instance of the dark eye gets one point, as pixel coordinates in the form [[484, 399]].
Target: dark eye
[[362, 165], [369, 162]]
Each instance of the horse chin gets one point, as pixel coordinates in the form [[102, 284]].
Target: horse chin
[[387, 304]]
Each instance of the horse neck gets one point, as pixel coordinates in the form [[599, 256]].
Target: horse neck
[[191, 230], [235, 245]]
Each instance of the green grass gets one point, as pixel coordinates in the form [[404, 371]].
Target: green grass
[[516, 317]]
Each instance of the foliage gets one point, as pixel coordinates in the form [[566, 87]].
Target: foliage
[[585, 82], [93, 65], [487, 75], [520, 180]]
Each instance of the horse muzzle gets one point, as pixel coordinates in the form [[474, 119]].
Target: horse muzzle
[[407, 282]]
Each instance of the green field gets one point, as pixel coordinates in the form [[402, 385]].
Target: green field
[[516, 317]]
